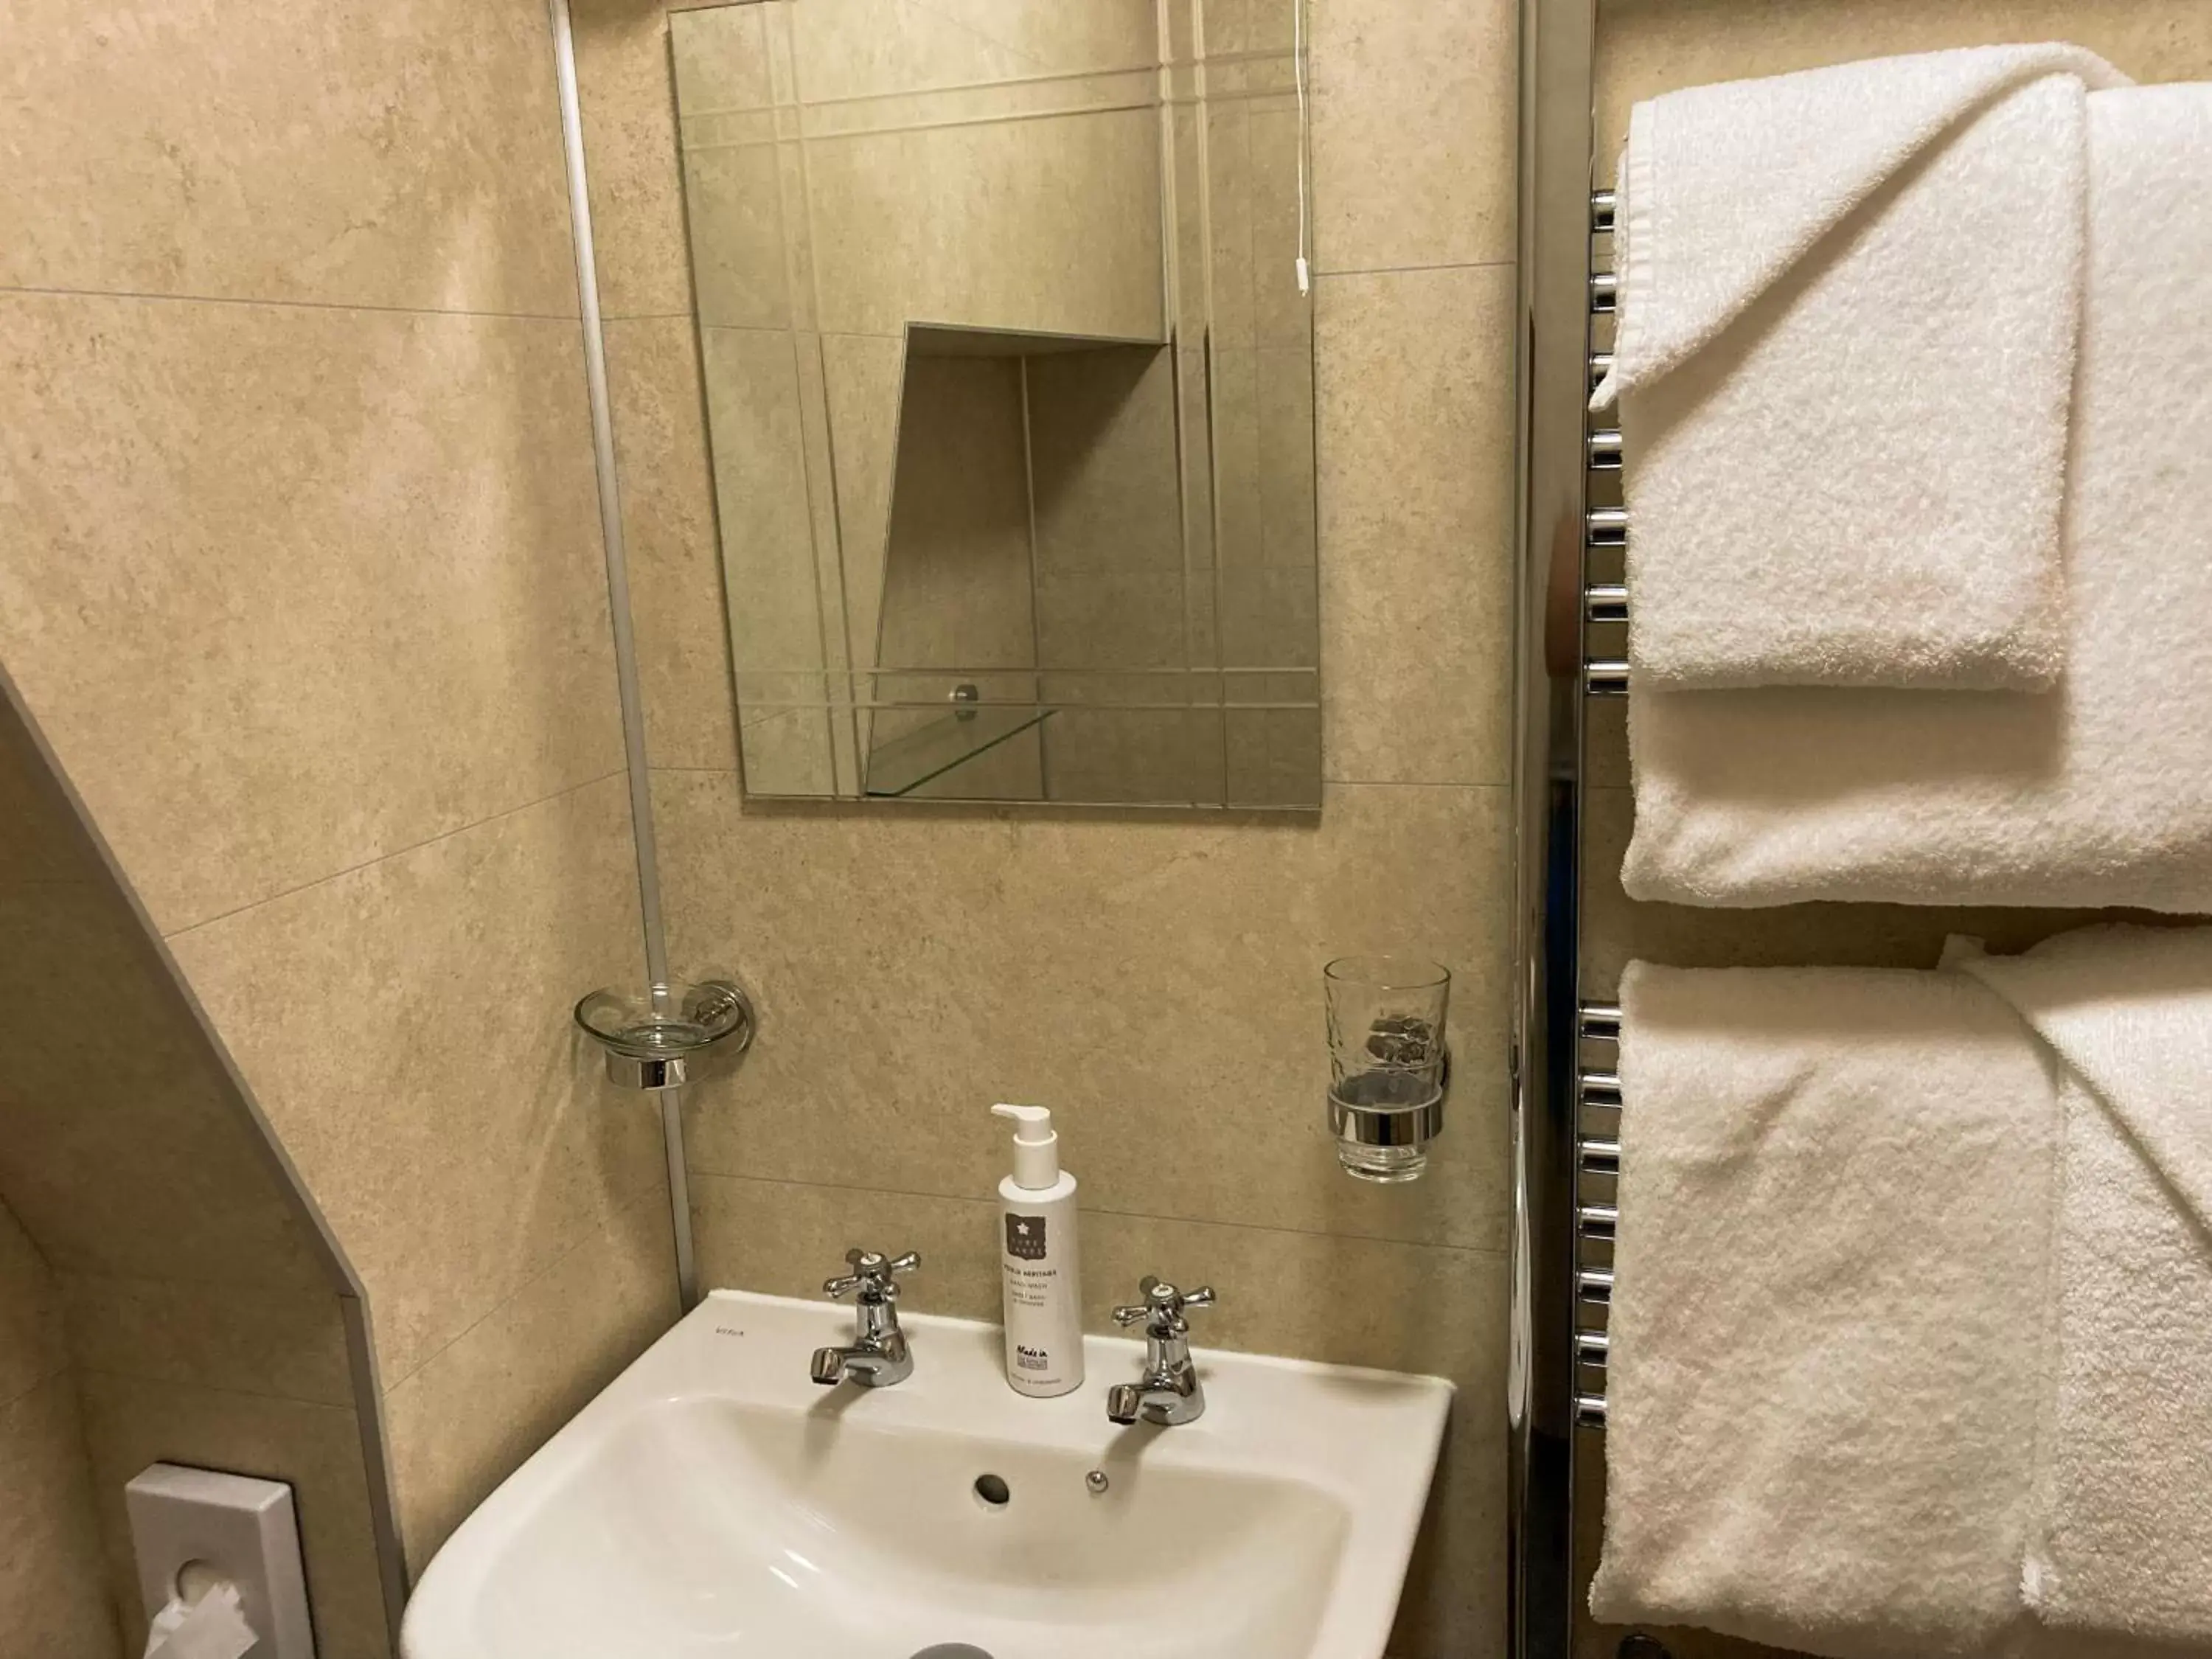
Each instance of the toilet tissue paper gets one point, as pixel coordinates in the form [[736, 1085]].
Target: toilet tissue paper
[[213, 1627]]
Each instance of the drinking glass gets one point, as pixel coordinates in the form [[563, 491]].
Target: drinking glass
[[1388, 1067]]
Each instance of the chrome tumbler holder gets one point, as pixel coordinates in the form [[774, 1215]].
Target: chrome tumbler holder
[[652, 1035], [1392, 1126]]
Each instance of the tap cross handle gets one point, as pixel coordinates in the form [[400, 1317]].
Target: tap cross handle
[[1164, 1304], [872, 1274]]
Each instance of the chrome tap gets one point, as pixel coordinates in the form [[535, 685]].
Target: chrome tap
[[1168, 1393], [879, 1357]]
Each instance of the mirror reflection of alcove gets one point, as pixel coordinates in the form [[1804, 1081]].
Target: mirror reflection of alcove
[[1033, 600], [1023, 274]]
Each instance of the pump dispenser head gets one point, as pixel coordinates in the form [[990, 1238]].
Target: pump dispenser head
[[1037, 1148]]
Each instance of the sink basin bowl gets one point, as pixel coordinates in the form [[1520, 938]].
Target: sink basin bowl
[[714, 1502]]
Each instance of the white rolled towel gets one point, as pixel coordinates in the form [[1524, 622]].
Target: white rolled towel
[[2101, 793], [1849, 302]]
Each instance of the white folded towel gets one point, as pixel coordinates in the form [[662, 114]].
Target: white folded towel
[[1845, 356], [1826, 1352], [2098, 794], [1911, 1332], [2125, 1544]]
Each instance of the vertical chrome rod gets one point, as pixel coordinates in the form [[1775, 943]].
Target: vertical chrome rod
[[669, 1101]]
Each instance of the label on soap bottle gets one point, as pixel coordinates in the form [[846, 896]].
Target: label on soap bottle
[[1042, 1288]]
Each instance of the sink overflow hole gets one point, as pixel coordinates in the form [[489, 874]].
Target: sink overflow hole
[[994, 1494]]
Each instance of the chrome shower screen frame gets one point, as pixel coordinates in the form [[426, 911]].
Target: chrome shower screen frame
[[1557, 47]]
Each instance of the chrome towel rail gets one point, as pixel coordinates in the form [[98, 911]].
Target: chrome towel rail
[[1597, 1213], [1605, 526]]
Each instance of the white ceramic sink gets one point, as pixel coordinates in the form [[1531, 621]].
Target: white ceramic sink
[[713, 1501]]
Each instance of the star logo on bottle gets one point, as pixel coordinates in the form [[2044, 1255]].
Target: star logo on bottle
[[1025, 1237]]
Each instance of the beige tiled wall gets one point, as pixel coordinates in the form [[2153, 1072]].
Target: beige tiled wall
[[53, 1599], [405, 1022], [1649, 46], [182, 1272], [1157, 980], [308, 591]]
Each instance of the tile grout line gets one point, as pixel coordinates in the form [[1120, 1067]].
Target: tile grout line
[[1415, 783], [396, 852], [59, 1373], [1501, 1252], [846, 800], [834, 333], [27, 291], [347, 1406], [650, 1188], [1415, 269], [263, 1288]]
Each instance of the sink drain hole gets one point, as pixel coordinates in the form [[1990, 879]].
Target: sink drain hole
[[992, 1493], [952, 1650]]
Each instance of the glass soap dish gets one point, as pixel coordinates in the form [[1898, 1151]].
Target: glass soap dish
[[651, 1034]]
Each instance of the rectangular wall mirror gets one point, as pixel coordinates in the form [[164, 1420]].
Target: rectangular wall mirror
[[1010, 390]]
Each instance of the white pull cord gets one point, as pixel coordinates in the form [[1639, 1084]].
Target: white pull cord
[[1298, 69]]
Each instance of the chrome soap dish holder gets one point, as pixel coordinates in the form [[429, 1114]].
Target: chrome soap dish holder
[[651, 1034]]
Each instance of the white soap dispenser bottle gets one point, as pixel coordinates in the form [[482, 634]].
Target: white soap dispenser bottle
[[1038, 1262]]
